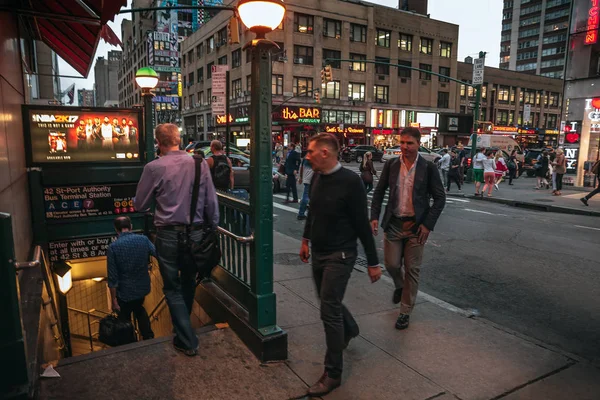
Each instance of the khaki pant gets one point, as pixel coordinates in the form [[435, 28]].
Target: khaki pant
[[402, 249]]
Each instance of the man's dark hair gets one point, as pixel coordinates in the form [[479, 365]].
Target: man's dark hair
[[328, 140], [445, 150], [412, 132], [122, 223]]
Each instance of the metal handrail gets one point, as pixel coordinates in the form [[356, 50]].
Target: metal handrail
[[35, 262], [155, 309], [240, 239]]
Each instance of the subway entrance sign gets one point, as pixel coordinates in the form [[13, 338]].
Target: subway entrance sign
[[84, 165]]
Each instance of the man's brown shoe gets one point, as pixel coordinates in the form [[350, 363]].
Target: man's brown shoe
[[323, 386]]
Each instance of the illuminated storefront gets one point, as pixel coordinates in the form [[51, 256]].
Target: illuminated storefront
[[348, 134], [295, 124], [386, 126]]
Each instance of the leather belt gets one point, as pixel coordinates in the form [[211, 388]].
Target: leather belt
[[179, 228], [405, 218]]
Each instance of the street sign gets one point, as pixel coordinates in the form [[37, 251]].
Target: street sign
[[478, 68], [526, 113], [219, 88]]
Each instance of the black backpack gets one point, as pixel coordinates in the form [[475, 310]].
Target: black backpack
[[221, 172]]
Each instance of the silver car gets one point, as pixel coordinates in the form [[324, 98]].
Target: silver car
[[241, 174]]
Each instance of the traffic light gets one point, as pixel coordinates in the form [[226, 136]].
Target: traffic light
[[317, 97], [326, 75]]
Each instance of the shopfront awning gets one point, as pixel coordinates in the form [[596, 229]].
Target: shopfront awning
[[72, 28]]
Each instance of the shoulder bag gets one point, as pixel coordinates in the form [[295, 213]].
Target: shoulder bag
[[205, 253]]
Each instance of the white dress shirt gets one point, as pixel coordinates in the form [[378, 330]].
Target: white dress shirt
[[406, 183]]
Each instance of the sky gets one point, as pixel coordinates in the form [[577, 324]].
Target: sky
[[480, 24]]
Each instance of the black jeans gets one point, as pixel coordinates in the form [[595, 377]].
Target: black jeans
[[291, 185], [331, 272], [559, 179], [593, 192], [455, 178], [512, 172], [141, 316], [368, 186]]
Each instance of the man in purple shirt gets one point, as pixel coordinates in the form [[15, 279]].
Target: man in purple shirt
[[168, 181]]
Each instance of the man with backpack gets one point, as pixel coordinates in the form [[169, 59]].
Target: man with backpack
[[596, 171], [221, 169]]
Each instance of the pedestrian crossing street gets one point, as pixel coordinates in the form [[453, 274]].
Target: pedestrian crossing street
[[354, 168]]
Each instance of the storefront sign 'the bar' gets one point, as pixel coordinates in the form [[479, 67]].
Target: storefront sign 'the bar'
[[305, 115]]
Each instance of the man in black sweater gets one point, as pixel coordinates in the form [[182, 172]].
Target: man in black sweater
[[337, 217]]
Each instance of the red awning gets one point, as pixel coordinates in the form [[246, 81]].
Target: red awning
[[72, 28]]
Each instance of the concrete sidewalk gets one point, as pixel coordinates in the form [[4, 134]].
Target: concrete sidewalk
[[445, 354], [442, 355], [523, 194]]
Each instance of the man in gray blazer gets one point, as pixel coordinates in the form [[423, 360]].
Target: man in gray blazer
[[408, 217]]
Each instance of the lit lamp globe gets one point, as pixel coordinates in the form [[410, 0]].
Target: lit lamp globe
[[261, 16], [146, 78]]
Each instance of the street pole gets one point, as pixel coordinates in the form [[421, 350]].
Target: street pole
[[148, 124], [476, 115], [263, 316], [227, 126]]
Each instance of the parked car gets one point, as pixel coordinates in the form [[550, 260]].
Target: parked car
[[201, 144], [241, 174], [423, 152], [232, 150], [357, 153], [345, 154]]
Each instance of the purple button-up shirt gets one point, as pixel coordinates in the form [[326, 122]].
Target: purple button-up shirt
[[169, 180]]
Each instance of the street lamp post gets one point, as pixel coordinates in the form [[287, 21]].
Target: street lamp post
[[261, 17], [147, 79]]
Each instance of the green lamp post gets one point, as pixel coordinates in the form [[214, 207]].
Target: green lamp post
[[261, 17], [147, 79]]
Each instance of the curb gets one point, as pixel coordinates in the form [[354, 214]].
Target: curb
[[531, 205]]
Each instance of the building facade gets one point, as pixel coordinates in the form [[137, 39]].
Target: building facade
[[525, 107], [534, 36], [580, 133], [86, 98], [365, 102], [106, 75]]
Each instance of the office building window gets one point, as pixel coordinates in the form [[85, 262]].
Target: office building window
[[200, 74], [424, 75], [503, 94], [502, 117], [358, 33], [276, 85], [356, 91], [303, 23], [302, 87], [443, 99], [444, 71], [332, 28], [222, 37], [405, 42], [210, 45], [330, 90], [209, 70], [236, 88], [426, 46], [383, 38], [248, 82], [222, 60], [303, 55], [463, 91], [236, 58], [404, 72], [382, 69], [358, 65], [381, 94], [445, 49], [329, 55]]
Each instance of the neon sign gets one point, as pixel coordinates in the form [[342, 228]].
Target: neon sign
[[306, 115], [591, 35]]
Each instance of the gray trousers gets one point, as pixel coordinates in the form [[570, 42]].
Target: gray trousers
[[402, 249], [331, 273]]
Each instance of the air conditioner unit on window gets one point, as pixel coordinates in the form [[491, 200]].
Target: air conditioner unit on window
[[298, 60]]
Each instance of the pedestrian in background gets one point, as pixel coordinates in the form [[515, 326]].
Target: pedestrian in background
[[221, 169], [367, 171], [560, 169], [127, 260], [444, 165], [292, 164], [333, 231], [500, 168], [596, 172], [512, 167], [168, 182], [453, 173], [462, 156], [478, 170], [408, 218], [489, 174], [542, 171], [278, 152], [306, 175]]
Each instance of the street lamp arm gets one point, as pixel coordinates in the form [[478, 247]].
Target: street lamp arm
[[293, 97], [328, 60]]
